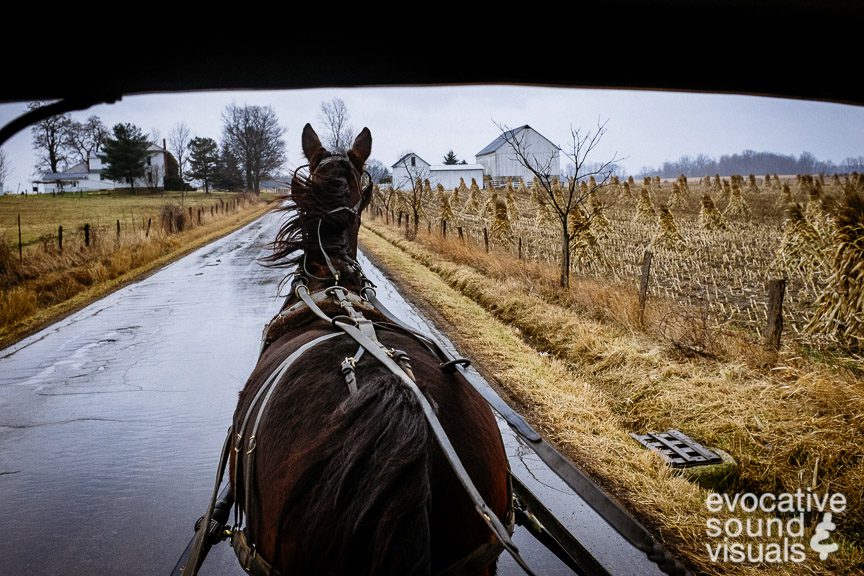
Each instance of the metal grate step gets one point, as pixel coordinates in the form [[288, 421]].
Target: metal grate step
[[678, 449]]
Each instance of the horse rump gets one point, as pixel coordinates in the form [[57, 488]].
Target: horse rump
[[359, 503]]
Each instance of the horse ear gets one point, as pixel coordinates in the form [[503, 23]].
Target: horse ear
[[361, 149], [312, 147]]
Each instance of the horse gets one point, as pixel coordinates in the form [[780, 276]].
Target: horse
[[337, 467]]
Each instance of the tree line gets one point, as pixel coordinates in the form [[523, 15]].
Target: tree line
[[752, 162], [252, 149]]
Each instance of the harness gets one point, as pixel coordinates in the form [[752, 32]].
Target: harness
[[362, 330]]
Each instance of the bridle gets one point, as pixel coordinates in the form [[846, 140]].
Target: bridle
[[363, 181]]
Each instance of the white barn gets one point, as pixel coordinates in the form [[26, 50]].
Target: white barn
[[407, 169], [448, 175], [499, 161], [87, 176]]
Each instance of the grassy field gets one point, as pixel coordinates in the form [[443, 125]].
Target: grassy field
[[45, 282], [41, 214], [584, 370]]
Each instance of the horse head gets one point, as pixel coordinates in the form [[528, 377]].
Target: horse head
[[327, 196]]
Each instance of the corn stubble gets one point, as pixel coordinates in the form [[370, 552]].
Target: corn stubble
[[717, 261]]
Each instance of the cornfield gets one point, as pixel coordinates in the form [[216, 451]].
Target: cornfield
[[798, 228]]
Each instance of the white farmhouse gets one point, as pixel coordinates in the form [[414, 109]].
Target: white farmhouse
[[87, 176], [499, 161], [407, 169]]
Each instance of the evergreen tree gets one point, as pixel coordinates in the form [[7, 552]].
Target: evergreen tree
[[172, 179], [450, 158], [228, 175], [125, 154], [204, 160]]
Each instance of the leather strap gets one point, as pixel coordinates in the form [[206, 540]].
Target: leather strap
[[247, 555], [245, 462], [201, 545]]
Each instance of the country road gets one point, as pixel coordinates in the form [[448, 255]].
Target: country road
[[112, 419]]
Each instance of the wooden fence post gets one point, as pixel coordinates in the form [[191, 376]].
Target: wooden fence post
[[60, 238], [776, 291], [149, 221], [20, 245], [118, 230], [643, 284], [87, 235], [444, 228], [486, 238], [520, 247]]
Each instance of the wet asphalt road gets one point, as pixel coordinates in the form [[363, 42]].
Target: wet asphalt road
[[112, 419]]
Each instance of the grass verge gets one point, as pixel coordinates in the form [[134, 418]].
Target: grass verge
[[586, 382]]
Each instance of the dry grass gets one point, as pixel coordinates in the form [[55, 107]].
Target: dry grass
[[48, 284], [800, 424]]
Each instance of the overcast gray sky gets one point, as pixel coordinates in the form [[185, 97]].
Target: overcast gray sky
[[644, 129]]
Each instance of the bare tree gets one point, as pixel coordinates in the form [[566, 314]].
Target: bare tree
[[377, 170], [4, 169], [387, 197], [418, 195], [338, 134], [179, 139], [84, 139], [49, 140], [155, 175], [570, 201], [253, 136]]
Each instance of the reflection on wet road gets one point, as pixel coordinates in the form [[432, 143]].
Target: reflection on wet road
[[111, 422]]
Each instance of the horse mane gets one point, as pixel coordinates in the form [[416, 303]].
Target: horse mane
[[359, 503], [310, 203]]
